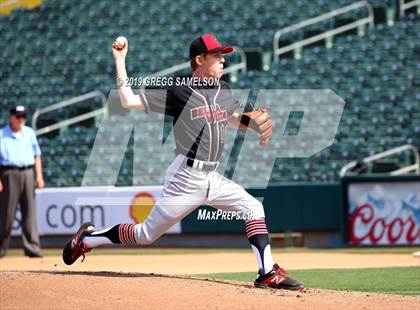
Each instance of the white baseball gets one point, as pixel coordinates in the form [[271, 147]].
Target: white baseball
[[121, 41]]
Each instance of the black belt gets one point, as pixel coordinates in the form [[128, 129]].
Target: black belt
[[199, 164], [16, 167]]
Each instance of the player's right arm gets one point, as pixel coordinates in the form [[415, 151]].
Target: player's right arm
[[128, 99]]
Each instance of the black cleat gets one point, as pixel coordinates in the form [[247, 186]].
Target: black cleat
[[277, 278], [75, 248]]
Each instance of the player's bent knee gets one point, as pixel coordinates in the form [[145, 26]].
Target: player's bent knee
[[256, 210]]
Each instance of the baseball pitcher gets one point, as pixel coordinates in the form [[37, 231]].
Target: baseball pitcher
[[201, 114]]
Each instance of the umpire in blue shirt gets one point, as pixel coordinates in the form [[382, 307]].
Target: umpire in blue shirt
[[19, 154]]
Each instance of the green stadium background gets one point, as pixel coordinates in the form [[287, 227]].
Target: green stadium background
[[61, 49]]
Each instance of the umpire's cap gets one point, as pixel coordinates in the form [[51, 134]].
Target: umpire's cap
[[207, 43], [18, 110]]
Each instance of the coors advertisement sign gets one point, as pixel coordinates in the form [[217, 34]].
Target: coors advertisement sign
[[384, 213]]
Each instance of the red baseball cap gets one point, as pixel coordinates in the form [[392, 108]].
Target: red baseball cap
[[207, 43]]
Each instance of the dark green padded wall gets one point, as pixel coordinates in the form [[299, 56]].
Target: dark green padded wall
[[294, 207]]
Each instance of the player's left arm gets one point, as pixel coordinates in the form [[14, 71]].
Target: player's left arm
[[258, 120]]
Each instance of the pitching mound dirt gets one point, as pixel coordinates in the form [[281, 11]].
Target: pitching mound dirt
[[106, 290], [125, 281]]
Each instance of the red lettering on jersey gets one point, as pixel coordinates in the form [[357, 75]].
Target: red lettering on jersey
[[204, 112]]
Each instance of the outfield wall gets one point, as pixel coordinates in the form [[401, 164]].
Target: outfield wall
[[289, 207]]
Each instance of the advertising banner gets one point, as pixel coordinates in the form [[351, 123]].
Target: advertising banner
[[60, 211], [383, 213]]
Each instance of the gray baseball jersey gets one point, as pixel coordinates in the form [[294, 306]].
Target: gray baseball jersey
[[199, 116]]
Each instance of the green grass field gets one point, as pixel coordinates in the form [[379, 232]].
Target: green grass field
[[401, 280], [160, 251]]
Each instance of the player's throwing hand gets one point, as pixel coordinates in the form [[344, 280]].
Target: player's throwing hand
[[120, 48]]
